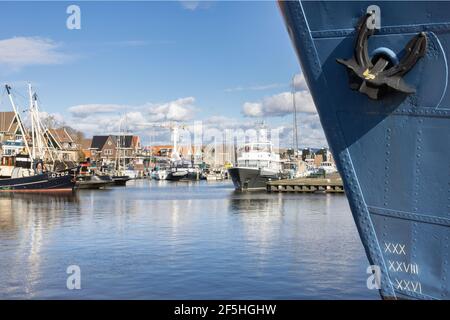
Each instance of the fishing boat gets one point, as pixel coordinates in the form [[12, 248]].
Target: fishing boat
[[378, 74], [9, 150], [32, 177], [29, 173]]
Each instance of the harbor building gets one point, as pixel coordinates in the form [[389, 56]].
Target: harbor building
[[108, 148]]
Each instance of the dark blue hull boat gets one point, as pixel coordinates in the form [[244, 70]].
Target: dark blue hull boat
[[379, 78], [46, 182]]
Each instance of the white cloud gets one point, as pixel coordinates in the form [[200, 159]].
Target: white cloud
[[19, 52], [193, 5], [110, 118], [256, 87], [86, 110], [178, 110], [280, 105], [310, 132], [300, 82], [190, 5]]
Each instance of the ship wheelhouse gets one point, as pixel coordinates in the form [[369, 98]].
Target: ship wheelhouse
[[259, 156]]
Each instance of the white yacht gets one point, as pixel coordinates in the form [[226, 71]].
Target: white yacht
[[256, 165]]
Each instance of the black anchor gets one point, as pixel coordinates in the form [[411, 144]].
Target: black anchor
[[374, 79]]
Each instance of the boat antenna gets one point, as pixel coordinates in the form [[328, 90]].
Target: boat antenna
[[295, 131]]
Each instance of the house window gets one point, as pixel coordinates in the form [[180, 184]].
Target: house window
[[107, 152]]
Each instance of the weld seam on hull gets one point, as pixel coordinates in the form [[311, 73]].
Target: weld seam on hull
[[436, 28], [410, 216]]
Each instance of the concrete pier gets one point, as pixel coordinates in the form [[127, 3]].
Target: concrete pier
[[328, 185]]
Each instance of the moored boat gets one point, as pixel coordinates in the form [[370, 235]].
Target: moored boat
[[257, 165], [45, 182], [26, 177], [87, 178], [159, 174], [183, 170], [120, 180], [28, 172]]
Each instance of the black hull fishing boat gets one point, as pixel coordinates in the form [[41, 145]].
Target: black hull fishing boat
[[29, 173], [45, 182]]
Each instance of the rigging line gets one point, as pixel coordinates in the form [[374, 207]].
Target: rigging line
[[18, 93]]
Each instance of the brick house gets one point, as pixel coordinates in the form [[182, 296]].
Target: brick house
[[106, 149]]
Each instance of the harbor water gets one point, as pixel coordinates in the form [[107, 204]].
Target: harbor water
[[163, 240]]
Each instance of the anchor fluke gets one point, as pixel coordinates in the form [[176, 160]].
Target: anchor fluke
[[376, 78]]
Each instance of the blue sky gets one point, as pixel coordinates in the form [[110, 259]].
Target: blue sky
[[221, 62]]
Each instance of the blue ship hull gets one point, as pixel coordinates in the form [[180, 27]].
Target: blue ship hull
[[393, 153]]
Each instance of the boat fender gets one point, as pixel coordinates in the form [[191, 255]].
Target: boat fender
[[378, 75]]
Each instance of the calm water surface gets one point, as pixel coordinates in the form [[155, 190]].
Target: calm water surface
[[162, 240]]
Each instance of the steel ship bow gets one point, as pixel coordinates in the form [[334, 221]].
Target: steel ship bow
[[378, 75]]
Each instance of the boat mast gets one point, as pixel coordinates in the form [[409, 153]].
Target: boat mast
[[294, 133], [119, 145], [42, 133], [19, 120], [33, 133], [118, 148], [123, 143], [175, 141]]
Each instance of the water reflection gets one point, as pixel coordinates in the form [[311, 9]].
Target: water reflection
[[261, 217], [27, 219], [16, 208], [175, 241]]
